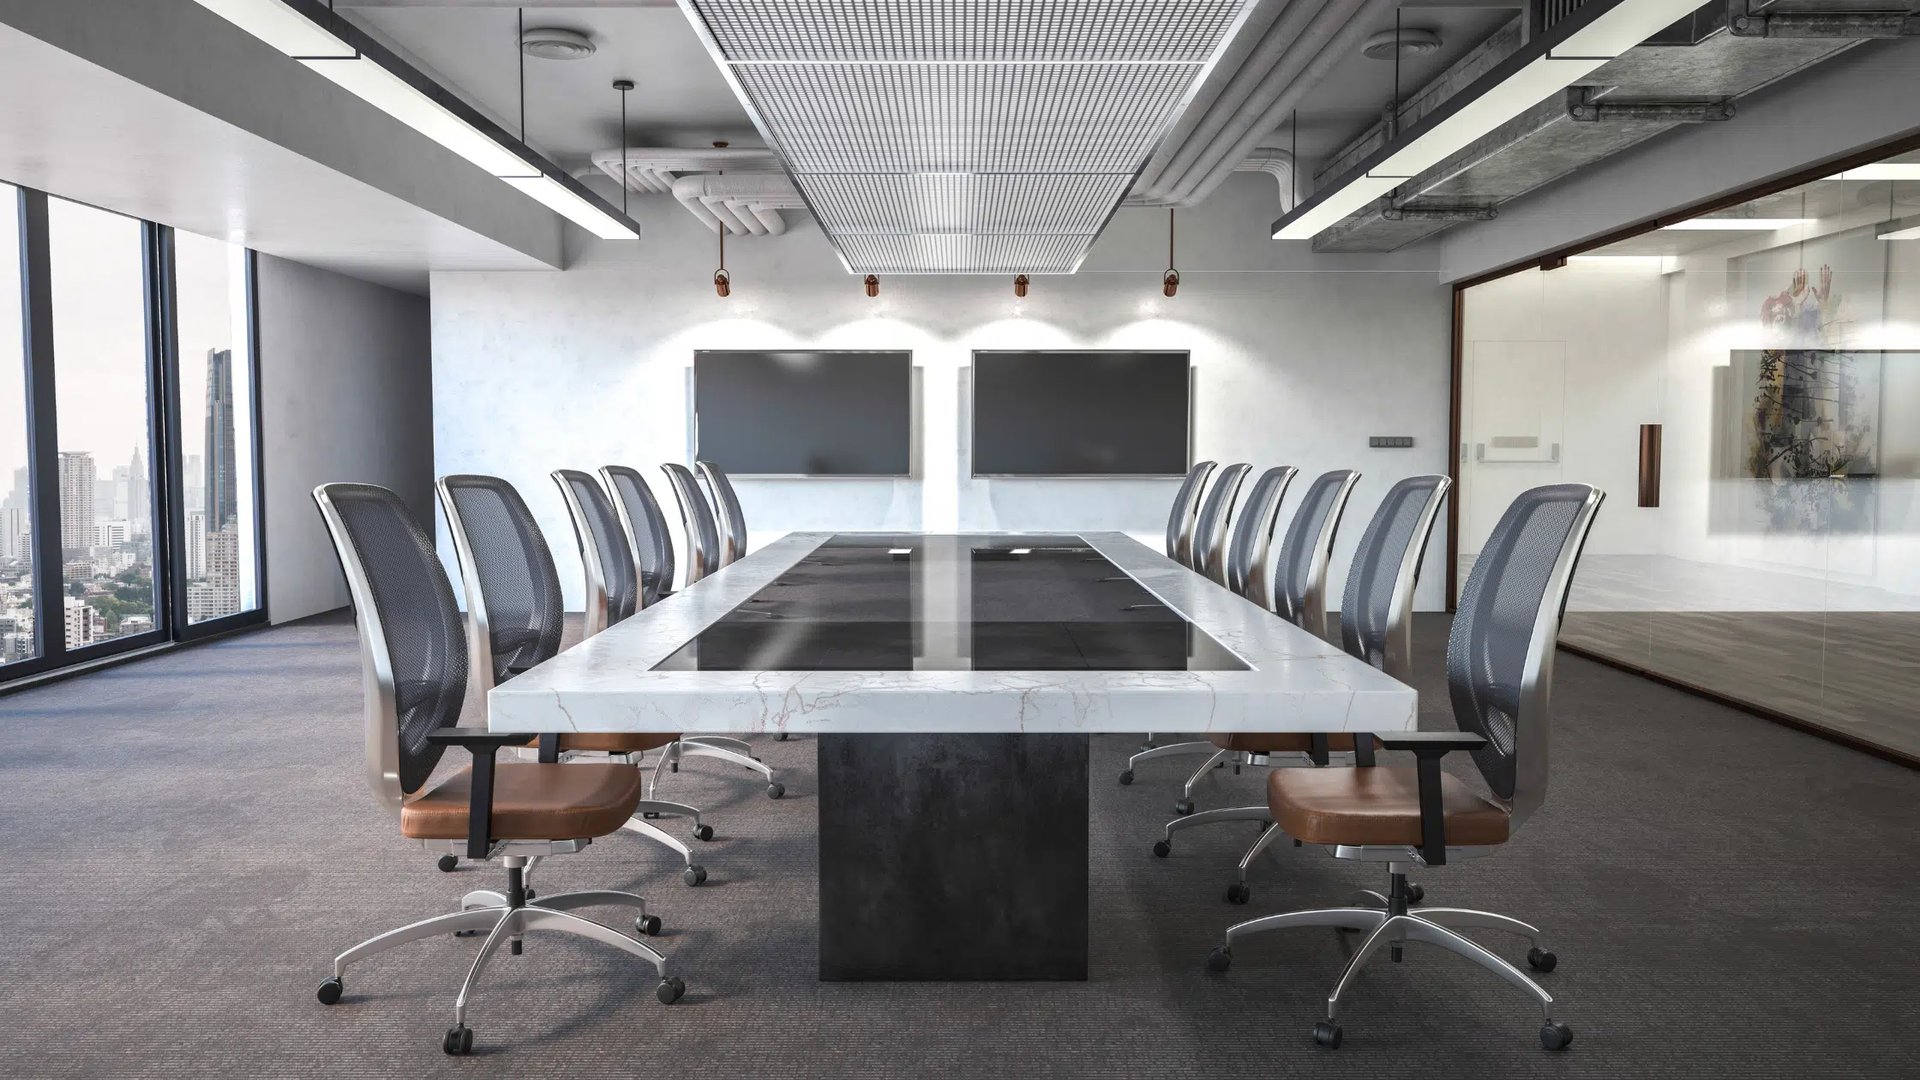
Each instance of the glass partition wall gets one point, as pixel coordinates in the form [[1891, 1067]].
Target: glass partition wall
[[1745, 385], [130, 514]]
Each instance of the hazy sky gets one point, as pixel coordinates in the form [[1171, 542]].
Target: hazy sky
[[100, 332]]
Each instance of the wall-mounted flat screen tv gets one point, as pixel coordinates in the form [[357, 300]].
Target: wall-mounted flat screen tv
[[804, 412], [1080, 413]]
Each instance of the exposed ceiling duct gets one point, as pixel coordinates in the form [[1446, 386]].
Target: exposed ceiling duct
[[1301, 42], [935, 137], [738, 189], [1693, 73]]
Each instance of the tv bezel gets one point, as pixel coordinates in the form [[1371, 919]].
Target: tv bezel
[[973, 420], [913, 411]]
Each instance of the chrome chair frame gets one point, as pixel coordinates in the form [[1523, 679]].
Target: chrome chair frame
[[1398, 662], [504, 921], [1216, 518], [729, 519], [1386, 917], [596, 621], [688, 497], [1185, 512]]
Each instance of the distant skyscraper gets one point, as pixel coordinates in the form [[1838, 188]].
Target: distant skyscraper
[[77, 492], [196, 480], [196, 545], [222, 500], [139, 494], [22, 491]]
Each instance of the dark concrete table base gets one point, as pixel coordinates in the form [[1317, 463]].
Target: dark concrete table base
[[953, 857]]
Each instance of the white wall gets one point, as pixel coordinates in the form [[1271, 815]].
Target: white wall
[[1298, 359], [345, 391]]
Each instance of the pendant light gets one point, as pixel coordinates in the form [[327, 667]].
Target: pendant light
[[623, 85], [1020, 285], [723, 281], [1170, 281], [873, 285]]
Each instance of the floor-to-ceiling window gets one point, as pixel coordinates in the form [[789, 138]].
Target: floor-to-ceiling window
[[131, 513], [1746, 387]]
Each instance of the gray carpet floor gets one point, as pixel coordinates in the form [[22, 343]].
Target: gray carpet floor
[[186, 841]]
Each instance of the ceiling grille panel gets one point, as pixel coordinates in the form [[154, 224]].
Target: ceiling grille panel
[[949, 203], [1180, 31], [964, 136], [961, 253], [965, 117]]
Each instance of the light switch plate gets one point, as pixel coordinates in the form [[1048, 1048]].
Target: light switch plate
[[1390, 442]]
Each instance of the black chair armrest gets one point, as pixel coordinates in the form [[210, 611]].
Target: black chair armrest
[[1428, 748], [484, 746]]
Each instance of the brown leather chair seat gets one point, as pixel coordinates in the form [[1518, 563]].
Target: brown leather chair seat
[[1377, 805], [1280, 742], [616, 742], [530, 802]]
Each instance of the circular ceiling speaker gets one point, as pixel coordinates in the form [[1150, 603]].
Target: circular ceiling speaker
[[553, 43], [1412, 43]]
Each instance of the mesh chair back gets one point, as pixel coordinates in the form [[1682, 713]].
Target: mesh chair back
[[412, 646], [1252, 544], [646, 530], [696, 521], [1300, 578], [726, 504], [514, 611], [1377, 608], [1180, 518], [613, 585], [1500, 651], [1210, 531]]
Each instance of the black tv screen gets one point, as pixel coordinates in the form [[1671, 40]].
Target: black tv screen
[[804, 412], [1041, 413]]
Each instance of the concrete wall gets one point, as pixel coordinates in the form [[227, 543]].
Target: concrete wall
[[345, 393], [1298, 359]]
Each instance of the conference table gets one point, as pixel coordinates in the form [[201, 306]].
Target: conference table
[[953, 682]]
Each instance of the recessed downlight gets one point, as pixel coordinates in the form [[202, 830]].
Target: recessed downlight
[[554, 43]]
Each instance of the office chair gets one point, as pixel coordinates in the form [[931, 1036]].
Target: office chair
[[613, 594], [515, 619], [1186, 506], [1247, 553], [1376, 625], [1500, 677], [696, 522], [1211, 530], [414, 657], [1298, 593], [726, 507], [645, 528]]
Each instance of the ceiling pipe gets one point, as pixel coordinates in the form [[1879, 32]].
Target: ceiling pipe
[[745, 204], [1234, 59], [1259, 74], [1206, 174]]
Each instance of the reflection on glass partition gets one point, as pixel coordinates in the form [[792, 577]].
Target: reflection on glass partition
[[1779, 351]]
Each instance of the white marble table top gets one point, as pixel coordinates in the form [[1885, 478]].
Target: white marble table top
[[1294, 681]]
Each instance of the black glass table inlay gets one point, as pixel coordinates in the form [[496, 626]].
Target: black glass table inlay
[[876, 602]]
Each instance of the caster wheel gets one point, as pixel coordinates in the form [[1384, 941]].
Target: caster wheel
[[670, 989], [448, 863], [1415, 894], [650, 815], [647, 925], [1555, 1036], [673, 767], [782, 737], [466, 933], [1126, 777], [775, 790], [459, 1040], [1239, 893], [1162, 848], [694, 875], [703, 832], [1220, 959], [331, 990], [1183, 807], [531, 895], [1542, 961], [1327, 1034]]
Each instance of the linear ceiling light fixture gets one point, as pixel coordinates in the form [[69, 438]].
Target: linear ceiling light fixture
[[1884, 170], [328, 45], [1574, 47], [1902, 234], [1735, 224]]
